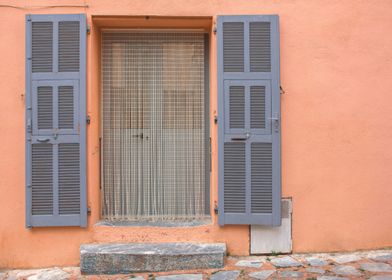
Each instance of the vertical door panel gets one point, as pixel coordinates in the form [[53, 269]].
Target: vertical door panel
[[249, 120], [55, 120]]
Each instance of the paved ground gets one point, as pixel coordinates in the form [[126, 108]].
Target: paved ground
[[374, 265]]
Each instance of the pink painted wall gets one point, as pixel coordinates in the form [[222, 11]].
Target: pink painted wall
[[336, 61]]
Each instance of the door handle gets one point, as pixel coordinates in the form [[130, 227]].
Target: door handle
[[141, 136], [43, 140], [138, 135]]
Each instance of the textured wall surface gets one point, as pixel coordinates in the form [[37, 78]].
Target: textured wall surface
[[336, 65]]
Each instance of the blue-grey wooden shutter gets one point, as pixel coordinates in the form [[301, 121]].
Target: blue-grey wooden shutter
[[249, 120], [56, 120]]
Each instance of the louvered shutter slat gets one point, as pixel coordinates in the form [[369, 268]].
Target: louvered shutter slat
[[66, 107], [237, 107], [260, 46], [249, 120], [69, 179], [55, 116], [69, 43], [261, 178], [42, 179], [45, 107], [257, 107], [233, 46], [235, 177], [42, 46]]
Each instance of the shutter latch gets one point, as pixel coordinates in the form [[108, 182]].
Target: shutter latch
[[88, 120], [215, 119], [275, 119]]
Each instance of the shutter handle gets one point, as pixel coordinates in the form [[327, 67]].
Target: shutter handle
[[43, 139], [241, 138]]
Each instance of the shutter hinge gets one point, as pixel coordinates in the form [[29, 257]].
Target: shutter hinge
[[216, 210], [29, 125], [88, 120], [89, 210], [88, 29], [209, 155], [215, 119], [282, 90]]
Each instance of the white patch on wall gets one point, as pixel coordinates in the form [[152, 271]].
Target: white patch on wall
[[267, 239]]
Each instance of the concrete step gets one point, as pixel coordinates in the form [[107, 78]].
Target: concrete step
[[115, 258]]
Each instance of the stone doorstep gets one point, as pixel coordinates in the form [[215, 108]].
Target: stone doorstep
[[251, 267], [115, 258]]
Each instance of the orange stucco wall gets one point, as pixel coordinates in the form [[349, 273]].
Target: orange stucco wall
[[336, 69]]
